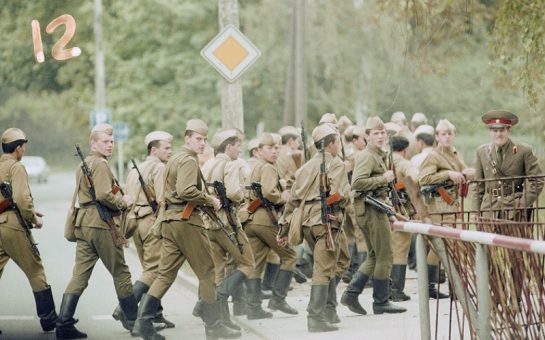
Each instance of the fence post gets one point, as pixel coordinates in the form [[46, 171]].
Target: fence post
[[483, 293], [423, 285]]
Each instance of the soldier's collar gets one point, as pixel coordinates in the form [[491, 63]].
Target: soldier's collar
[[97, 154], [9, 156], [189, 151]]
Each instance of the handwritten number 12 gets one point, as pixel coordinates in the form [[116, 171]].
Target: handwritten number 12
[[59, 50]]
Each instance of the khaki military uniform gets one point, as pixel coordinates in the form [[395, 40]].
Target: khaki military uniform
[[287, 164], [14, 243], [307, 187], [231, 174], [368, 179], [492, 197], [408, 175], [93, 238], [261, 231], [184, 239], [142, 216]]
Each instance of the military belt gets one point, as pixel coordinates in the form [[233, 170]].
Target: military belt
[[505, 192], [179, 206]]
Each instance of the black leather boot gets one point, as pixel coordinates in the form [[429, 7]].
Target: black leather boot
[[316, 310], [227, 286], [353, 291], [138, 288], [330, 313], [253, 301], [65, 324], [398, 283], [280, 291], [214, 329], [143, 326], [381, 293], [269, 276], [160, 322], [238, 296], [130, 308], [197, 309], [45, 308], [432, 279]]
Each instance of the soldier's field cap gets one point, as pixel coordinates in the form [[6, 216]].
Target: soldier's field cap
[[424, 129], [328, 118], [349, 132], [358, 131], [374, 123], [344, 122], [499, 119], [104, 128], [197, 125], [288, 130], [223, 135], [445, 125], [266, 139], [392, 128], [419, 118], [253, 144], [157, 135], [12, 135], [277, 138], [321, 131], [398, 117]]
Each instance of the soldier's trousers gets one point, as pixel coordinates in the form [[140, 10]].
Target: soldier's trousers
[[222, 246], [15, 245], [376, 229], [183, 241], [262, 239], [401, 241], [94, 244], [343, 259], [148, 248], [325, 261]]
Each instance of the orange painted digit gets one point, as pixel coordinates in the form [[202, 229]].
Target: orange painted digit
[[59, 51], [37, 42]]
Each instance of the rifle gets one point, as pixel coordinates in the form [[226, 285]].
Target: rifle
[[383, 207], [440, 189], [397, 202], [105, 214], [326, 209], [220, 190], [149, 197], [7, 192], [306, 156], [262, 201]]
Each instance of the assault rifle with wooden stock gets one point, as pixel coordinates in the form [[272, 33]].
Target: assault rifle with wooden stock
[[149, 196], [7, 192], [226, 204], [105, 214], [440, 190], [326, 202], [384, 208], [261, 201]]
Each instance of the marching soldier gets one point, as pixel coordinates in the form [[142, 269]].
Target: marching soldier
[[142, 215], [418, 119], [442, 166], [14, 243], [371, 177], [184, 236], [262, 228], [505, 158], [290, 158], [231, 240], [93, 237], [306, 194]]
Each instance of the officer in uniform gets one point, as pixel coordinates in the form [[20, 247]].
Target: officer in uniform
[[94, 240], [225, 169], [184, 236], [505, 158], [371, 177], [262, 230], [14, 244], [307, 188], [443, 165], [141, 216]]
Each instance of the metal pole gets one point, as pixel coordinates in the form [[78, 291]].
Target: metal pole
[[100, 93], [483, 293], [423, 293], [231, 93]]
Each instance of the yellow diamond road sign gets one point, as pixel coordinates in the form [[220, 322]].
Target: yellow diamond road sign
[[231, 53]]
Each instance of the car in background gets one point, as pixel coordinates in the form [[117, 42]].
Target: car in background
[[36, 167]]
